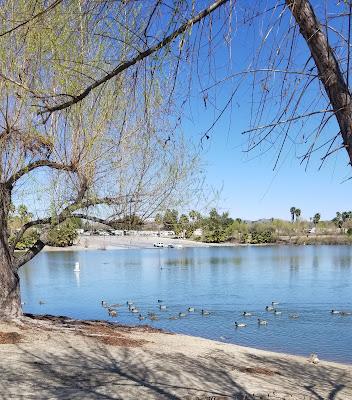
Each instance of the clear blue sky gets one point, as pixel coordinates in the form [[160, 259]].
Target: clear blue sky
[[251, 189]]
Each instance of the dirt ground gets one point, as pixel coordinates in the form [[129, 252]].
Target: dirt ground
[[59, 358]]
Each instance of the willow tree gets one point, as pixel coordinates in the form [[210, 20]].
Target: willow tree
[[86, 94]]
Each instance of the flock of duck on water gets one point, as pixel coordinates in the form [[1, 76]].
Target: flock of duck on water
[[112, 311]]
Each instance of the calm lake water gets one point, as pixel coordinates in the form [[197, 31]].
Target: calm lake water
[[308, 280]]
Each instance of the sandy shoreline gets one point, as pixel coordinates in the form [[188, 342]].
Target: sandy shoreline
[[84, 361], [129, 242]]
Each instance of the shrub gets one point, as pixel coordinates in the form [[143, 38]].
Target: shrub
[[63, 235], [27, 240]]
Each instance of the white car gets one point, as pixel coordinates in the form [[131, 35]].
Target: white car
[[158, 244]]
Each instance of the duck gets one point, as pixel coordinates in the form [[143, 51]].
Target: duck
[[247, 314], [173, 317], [113, 313], [141, 317], [160, 301], [293, 316], [104, 304], [190, 309], [129, 303], [269, 308], [154, 317], [275, 303], [205, 312], [240, 325], [346, 313], [162, 307], [277, 312], [313, 358], [335, 312], [181, 314], [135, 310], [41, 302], [262, 322]]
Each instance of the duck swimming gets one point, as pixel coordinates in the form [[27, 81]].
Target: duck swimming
[[113, 313], [240, 325], [162, 307], [190, 309], [335, 312], [247, 314], [269, 308], [205, 312], [277, 312], [262, 322], [181, 314]]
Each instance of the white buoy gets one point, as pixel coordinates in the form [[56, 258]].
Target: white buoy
[[76, 267]]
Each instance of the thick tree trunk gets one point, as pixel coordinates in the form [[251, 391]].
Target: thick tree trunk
[[330, 73], [10, 300]]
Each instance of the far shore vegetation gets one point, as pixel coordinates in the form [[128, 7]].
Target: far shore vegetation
[[215, 227]]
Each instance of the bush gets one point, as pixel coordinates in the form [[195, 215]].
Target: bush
[[63, 235], [262, 237], [27, 240]]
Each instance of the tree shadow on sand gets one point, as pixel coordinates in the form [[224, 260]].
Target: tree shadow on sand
[[320, 382], [101, 372], [97, 360]]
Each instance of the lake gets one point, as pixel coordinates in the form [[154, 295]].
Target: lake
[[226, 281]]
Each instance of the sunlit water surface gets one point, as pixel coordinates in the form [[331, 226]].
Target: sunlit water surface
[[226, 281]]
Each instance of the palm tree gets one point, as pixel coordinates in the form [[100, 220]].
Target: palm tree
[[345, 216], [297, 213], [316, 218], [292, 211]]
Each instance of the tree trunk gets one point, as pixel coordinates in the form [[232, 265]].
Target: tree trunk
[[10, 300], [330, 73]]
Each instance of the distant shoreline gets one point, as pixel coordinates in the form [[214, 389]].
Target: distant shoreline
[[130, 242], [146, 242]]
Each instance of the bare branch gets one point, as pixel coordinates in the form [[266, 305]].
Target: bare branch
[[40, 163], [257, 128]]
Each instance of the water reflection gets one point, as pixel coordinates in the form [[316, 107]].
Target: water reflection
[[77, 278]]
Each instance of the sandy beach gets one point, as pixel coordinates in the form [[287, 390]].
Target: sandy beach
[[66, 359], [128, 242]]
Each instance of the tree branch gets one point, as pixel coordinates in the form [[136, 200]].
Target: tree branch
[[69, 212], [37, 164], [51, 7], [127, 64], [30, 253]]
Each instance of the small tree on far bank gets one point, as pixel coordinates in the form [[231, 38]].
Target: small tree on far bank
[[297, 213], [316, 219], [292, 212]]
